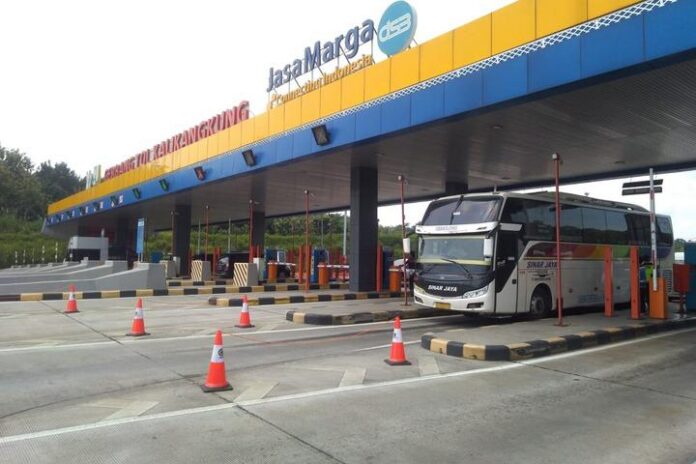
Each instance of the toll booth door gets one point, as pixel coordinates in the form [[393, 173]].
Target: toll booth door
[[506, 272]]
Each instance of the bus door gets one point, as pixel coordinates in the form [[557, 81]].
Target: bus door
[[507, 288]]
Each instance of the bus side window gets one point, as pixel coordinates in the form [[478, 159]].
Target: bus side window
[[617, 228], [541, 222], [571, 223], [640, 229], [664, 231], [514, 211], [594, 224]]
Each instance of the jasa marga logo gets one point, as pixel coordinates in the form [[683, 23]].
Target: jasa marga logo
[[396, 28]]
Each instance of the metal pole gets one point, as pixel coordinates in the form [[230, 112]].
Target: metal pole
[[559, 287], [229, 232], [403, 236], [653, 234], [55, 256], [207, 223], [43, 254], [198, 240], [251, 228], [173, 213], [345, 229], [308, 260]]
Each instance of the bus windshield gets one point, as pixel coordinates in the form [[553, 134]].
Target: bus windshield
[[462, 249], [462, 211]]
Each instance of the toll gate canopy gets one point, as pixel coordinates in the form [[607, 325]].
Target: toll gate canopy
[[608, 84]]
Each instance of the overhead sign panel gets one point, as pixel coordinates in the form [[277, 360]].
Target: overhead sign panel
[[641, 187], [641, 183], [640, 191]]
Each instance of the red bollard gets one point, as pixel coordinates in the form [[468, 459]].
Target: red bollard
[[299, 267], [635, 284], [379, 268], [608, 282]]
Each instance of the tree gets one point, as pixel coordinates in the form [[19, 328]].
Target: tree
[[21, 192], [24, 192], [57, 181]]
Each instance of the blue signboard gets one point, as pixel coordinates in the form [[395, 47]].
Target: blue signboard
[[140, 236], [396, 28]]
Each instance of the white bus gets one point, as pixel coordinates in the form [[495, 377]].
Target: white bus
[[495, 253]]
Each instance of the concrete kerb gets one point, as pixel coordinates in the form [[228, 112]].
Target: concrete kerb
[[296, 299], [362, 317], [553, 345], [176, 291]]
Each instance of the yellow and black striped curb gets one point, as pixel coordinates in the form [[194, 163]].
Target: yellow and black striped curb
[[363, 317], [553, 345], [209, 283], [311, 298], [176, 291]]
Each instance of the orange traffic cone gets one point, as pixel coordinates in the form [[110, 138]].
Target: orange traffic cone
[[138, 326], [216, 380], [244, 318], [398, 355], [72, 302]]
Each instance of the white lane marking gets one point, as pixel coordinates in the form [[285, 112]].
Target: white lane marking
[[229, 334], [427, 365], [353, 376], [381, 347], [269, 327], [256, 391], [337, 390], [43, 347], [126, 408]]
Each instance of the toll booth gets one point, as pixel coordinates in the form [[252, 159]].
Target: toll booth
[[273, 254], [387, 263], [319, 255], [690, 261]]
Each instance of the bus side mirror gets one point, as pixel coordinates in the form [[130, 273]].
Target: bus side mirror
[[487, 249]]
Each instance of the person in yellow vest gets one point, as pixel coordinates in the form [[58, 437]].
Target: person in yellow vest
[[645, 273]]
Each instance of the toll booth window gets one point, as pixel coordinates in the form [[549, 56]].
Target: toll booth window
[[617, 228], [593, 225], [467, 211], [664, 231], [571, 223]]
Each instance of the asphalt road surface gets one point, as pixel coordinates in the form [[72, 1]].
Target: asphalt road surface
[[75, 389]]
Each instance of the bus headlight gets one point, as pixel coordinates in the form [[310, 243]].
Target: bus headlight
[[476, 293]]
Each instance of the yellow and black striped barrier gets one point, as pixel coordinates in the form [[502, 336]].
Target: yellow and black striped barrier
[[309, 298], [175, 291], [218, 282], [553, 345], [364, 317]]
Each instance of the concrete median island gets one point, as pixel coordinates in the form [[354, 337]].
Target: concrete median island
[[504, 342]]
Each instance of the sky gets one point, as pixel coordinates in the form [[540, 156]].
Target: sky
[[92, 83]]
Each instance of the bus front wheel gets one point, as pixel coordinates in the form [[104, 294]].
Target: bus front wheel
[[540, 303]]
